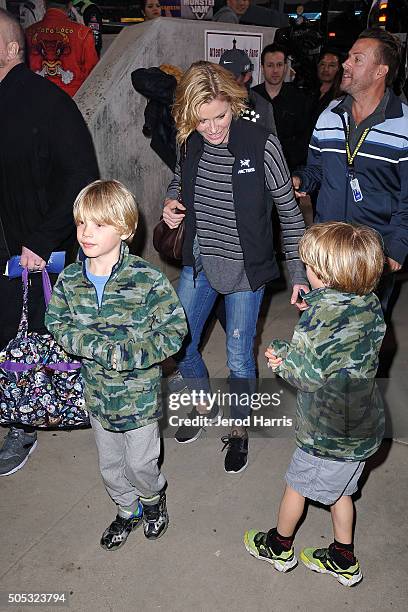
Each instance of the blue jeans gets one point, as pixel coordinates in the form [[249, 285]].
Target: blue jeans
[[242, 310]]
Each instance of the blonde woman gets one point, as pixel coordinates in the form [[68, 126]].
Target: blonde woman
[[227, 164]]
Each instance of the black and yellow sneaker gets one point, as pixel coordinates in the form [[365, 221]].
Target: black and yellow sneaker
[[256, 544], [320, 560], [118, 531], [155, 518]]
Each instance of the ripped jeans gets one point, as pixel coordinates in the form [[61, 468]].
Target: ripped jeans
[[242, 310]]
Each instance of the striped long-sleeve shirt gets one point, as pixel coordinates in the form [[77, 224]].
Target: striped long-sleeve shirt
[[217, 234]]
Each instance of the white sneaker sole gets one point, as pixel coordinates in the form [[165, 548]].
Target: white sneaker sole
[[344, 581], [22, 464], [193, 439], [278, 566]]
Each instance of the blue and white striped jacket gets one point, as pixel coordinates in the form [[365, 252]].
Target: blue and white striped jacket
[[381, 166]]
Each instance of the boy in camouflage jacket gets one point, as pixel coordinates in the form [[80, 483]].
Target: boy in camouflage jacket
[[122, 317], [332, 360]]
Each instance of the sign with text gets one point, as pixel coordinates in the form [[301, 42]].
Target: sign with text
[[171, 8], [197, 9], [217, 41]]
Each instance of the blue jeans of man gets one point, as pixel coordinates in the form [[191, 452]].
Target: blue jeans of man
[[242, 309]]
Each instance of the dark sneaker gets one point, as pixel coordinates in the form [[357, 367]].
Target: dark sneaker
[[236, 459], [320, 560], [155, 518], [256, 544], [117, 533], [195, 423], [17, 447]]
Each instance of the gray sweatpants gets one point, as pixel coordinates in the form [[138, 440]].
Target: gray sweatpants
[[128, 464]]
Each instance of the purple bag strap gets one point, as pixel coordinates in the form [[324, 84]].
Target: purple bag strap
[[23, 325], [47, 289]]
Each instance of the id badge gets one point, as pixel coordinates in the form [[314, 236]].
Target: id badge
[[355, 188]]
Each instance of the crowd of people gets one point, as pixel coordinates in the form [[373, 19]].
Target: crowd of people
[[121, 316]]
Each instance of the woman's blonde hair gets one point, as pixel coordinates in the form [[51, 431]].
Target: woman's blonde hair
[[345, 257], [110, 203], [203, 82]]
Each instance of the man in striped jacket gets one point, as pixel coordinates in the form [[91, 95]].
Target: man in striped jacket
[[358, 154]]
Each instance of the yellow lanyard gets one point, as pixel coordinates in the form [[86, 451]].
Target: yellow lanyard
[[350, 155]]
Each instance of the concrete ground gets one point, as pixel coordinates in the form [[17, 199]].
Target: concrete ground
[[54, 510]]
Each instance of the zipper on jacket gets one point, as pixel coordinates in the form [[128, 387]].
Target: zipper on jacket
[[95, 291], [347, 174], [194, 273], [114, 269]]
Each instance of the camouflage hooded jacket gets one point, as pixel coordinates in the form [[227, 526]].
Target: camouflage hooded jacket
[[140, 322], [332, 360]]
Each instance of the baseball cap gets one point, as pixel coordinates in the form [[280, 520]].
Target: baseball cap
[[236, 61]]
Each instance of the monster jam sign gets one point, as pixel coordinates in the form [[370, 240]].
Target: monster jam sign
[[197, 9]]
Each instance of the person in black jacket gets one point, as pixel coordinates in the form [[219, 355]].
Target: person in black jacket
[[291, 108], [46, 158], [226, 166], [88, 13]]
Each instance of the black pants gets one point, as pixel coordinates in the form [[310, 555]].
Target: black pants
[[11, 302], [384, 292]]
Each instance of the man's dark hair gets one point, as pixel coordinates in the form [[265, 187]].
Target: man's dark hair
[[274, 48], [388, 52], [12, 31], [330, 51]]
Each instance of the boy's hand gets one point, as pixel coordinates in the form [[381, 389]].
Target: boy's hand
[[273, 360]]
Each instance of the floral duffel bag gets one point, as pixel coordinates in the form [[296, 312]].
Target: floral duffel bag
[[40, 384]]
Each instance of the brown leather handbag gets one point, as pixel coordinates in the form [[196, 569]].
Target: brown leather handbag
[[169, 242]]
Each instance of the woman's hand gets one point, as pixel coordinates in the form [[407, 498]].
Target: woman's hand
[[170, 216], [273, 361], [297, 297]]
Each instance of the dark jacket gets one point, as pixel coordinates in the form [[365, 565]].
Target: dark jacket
[[246, 142], [381, 167], [158, 87], [293, 121], [46, 158]]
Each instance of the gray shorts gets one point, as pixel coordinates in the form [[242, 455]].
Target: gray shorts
[[323, 480]]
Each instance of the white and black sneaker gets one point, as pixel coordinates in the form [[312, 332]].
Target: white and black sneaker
[[155, 518], [118, 531], [236, 459], [195, 423]]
